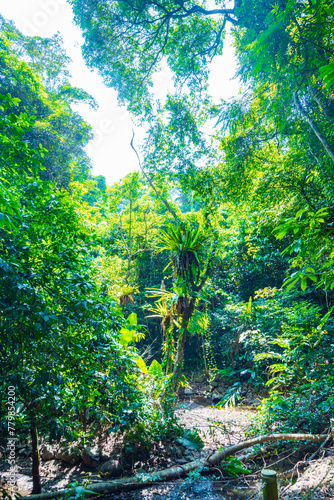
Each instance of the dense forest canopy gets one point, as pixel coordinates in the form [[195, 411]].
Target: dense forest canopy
[[216, 257]]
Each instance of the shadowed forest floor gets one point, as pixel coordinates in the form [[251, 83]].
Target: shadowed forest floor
[[217, 427]]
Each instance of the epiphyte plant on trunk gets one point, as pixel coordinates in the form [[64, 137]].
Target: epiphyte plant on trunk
[[164, 308], [191, 259]]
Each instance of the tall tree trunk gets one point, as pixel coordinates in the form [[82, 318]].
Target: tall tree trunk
[[314, 127], [36, 478], [178, 366]]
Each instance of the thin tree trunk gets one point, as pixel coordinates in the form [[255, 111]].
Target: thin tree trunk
[[83, 419], [313, 126], [169, 349], [130, 232], [204, 357], [36, 479], [178, 366], [133, 483]]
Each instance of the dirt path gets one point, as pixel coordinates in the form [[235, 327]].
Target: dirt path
[[217, 427]]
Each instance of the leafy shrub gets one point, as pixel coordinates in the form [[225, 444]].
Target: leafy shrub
[[279, 340], [294, 413]]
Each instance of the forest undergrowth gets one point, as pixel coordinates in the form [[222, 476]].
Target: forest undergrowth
[[214, 259]]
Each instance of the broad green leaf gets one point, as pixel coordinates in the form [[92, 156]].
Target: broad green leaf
[[155, 369], [142, 365], [126, 336], [132, 319]]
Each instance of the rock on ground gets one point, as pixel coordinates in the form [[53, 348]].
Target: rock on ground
[[90, 457], [46, 453], [112, 468]]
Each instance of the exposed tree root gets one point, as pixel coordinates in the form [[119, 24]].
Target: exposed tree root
[[136, 482]]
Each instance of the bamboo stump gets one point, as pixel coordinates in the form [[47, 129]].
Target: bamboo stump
[[269, 484]]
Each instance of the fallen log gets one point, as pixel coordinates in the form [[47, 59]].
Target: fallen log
[[143, 480]]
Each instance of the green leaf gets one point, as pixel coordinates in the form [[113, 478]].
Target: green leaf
[[155, 369], [192, 440], [126, 336], [325, 318], [132, 319], [142, 365]]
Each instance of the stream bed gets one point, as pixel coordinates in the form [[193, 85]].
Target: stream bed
[[217, 427], [203, 489]]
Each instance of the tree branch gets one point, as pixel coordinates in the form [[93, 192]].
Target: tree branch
[[165, 202], [160, 51], [201, 10]]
